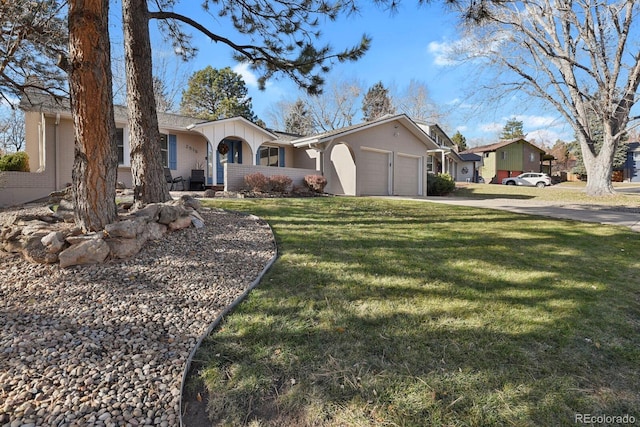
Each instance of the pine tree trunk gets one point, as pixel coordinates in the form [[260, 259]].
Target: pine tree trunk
[[96, 158], [149, 183]]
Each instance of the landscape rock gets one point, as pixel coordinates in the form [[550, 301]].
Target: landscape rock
[[41, 236], [155, 231], [56, 196], [197, 222], [180, 223], [88, 252], [125, 248], [76, 239], [190, 202], [54, 242], [169, 214], [150, 211], [128, 229], [107, 344], [34, 251]]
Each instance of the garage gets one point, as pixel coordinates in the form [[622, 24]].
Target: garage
[[374, 167], [408, 175], [383, 157]]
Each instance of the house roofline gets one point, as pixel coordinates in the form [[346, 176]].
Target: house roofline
[[332, 135], [195, 126]]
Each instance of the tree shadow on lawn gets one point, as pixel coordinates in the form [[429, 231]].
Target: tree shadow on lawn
[[437, 326]]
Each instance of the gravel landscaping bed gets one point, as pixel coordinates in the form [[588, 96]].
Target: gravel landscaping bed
[[107, 344]]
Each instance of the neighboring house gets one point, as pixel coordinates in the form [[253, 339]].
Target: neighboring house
[[389, 156], [469, 167], [446, 158], [632, 165], [507, 158]]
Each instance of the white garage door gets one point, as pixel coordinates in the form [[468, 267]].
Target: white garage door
[[407, 175], [373, 170]]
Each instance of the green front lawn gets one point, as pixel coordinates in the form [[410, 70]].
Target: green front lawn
[[566, 193], [401, 313]]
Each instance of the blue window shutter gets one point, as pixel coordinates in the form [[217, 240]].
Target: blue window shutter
[[281, 157], [173, 152], [258, 156]]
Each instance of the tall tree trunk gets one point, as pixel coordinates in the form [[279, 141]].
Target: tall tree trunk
[[599, 168], [149, 183], [96, 157]]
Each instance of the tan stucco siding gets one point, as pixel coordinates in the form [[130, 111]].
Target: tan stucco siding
[[32, 134], [391, 137], [305, 158], [340, 171], [191, 153], [66, 151], [20, 187]]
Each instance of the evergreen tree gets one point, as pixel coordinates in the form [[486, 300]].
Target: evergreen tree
[[33, 36], [597, 136], [215, 94], [96, 159], [512, 130], [298, 119], [377, 103], [460, 140]]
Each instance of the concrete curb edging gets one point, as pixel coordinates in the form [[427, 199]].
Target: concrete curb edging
[[224, 312]]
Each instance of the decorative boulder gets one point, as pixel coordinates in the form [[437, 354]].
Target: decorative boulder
[[128, 229], [54, 242], [180, 223], [125, 248], [91, 251]]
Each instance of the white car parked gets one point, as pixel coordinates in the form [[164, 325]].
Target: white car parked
[[529, 179]]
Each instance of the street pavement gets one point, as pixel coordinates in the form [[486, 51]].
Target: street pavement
[[625, 217]]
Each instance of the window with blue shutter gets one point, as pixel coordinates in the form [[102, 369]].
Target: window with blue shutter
[[173, 152], [270, 156]]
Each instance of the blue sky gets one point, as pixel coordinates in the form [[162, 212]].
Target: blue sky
[[406, 45]]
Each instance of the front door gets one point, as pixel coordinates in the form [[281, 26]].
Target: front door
[[233, 155]]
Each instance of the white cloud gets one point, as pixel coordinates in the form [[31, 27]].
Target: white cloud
[[542, 129], [534, 122], [248, 76], [443, 53], [491, 127], [447, 53]]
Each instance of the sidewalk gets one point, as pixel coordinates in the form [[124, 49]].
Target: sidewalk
[[625, 217]]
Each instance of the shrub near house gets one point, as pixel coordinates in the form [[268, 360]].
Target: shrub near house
[[440, 184], [280, 183], [315, 183], [17, 162]]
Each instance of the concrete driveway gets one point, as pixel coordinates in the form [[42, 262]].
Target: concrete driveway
[[625, 217]]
